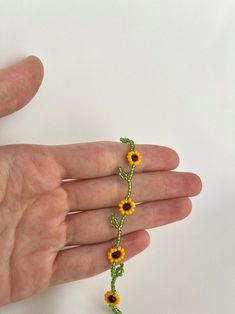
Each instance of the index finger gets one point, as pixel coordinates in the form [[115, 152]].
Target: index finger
[[102, 158]]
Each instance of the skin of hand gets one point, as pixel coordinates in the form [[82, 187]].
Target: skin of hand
[[43, 214]]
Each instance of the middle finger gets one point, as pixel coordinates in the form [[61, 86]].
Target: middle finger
[[109, 191]]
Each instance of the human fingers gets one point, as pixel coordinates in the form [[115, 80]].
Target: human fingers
[[19, 83], [89, 260], [99, 159], [149, 186], [94, 226]]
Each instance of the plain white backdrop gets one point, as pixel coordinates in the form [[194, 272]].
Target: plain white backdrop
[[156, 71]]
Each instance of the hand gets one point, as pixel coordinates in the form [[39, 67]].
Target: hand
[[36, 199]]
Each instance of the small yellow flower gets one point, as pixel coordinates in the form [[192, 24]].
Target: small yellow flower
[[134, 157], [112, 298], [127, 207], [116, 254]]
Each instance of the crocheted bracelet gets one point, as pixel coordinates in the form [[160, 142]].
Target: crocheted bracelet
[[126, 207]]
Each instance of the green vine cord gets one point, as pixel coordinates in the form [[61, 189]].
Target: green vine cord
[[127, 207]]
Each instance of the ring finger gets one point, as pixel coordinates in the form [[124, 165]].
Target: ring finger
[[93, 226]]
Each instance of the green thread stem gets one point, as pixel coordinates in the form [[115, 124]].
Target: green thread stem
[[115, 310], [129, 181], [113, 278], [118, 270], [127, 140]]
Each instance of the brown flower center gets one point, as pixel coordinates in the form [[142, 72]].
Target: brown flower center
[[126, 206], [134, 157], [112, 299], [116, 254]]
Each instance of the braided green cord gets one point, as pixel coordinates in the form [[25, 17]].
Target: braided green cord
[[118, 270]]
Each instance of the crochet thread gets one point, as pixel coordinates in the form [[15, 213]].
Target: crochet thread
[[126, 207]]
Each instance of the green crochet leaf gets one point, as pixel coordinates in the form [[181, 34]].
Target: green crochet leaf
[[114, 221], [119, 270]]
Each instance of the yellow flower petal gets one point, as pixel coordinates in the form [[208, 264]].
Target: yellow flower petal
[[134, 157], [129, 210], [112, 298], [112, 258]]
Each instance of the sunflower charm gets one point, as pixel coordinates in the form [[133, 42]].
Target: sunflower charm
[[134, 157], [116, 254], [112, 298], [127, 206]]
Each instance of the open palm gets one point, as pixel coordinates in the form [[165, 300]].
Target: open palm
[[55, 197]]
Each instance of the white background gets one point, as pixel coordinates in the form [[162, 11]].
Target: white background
[[159, 72]]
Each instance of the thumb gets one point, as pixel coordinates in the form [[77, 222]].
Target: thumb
[[19, 83]]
